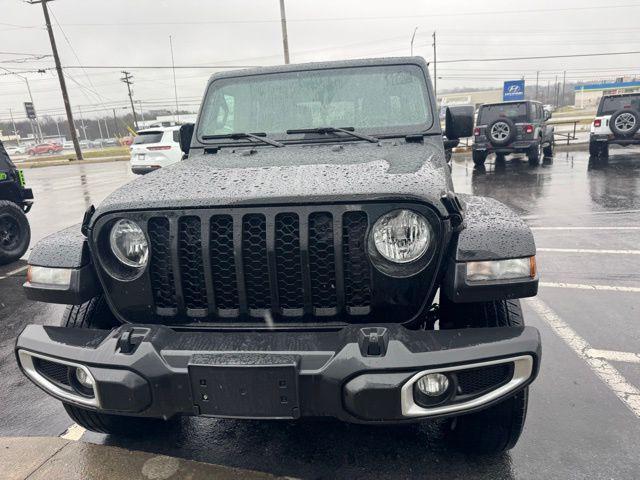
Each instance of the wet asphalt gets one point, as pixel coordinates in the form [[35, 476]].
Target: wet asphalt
[[577, 426]]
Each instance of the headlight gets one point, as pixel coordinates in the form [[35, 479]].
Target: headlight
[[502, 269], [129, 244], [402, 236]]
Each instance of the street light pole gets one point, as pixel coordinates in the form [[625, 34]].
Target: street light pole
[[285, 37], [175, 86], [13, 124], [413, 37], [63, 84]]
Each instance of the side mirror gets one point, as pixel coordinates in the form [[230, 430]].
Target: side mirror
[[186, 133], [547, 115], [459, 122]]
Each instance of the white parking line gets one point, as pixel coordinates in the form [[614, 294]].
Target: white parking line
[[74, 433], [13, 272], [626, 392], [589, 250], [586, 228], [625, 357], [579, 286]]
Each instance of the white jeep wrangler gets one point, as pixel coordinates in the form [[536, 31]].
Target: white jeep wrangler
[[617, 122]]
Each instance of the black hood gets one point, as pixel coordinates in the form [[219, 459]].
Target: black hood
[[295, 174]]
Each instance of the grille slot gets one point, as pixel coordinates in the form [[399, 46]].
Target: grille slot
[[288, 261], [223, 267], [191, 268], [357, 271], [476, 380], [296, 264], [162, 281], [254, 257]]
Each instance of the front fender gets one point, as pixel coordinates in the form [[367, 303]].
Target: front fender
[[492, 232], [65, 249]]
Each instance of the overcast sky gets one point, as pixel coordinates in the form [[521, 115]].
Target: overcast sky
[[135, 33]]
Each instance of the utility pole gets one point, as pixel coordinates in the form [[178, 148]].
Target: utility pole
[[435, 69], [564, 84], [63, 85], [175, 87], [128, 80], [413, 37], [537, 81], [285, 38]]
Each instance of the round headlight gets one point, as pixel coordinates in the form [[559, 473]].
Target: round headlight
[[402, 236], [129, 244]]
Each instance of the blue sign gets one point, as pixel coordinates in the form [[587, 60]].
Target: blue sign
[[513, 90]]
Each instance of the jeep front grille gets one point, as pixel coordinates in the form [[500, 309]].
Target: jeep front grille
[[284, 262]]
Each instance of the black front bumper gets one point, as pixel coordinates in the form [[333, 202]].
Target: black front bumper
[[359, 374]]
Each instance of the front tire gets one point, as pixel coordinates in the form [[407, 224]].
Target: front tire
[[15, 232], [497, 428], [549, 150], [96, 314]]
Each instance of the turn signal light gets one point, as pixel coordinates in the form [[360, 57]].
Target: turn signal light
[[476, 131], [528, 129], [597, 123]]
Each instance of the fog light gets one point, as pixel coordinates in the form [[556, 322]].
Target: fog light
[[433, 384], [84, 382]]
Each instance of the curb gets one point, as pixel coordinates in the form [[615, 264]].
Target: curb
[[56, 163], [46, 458]]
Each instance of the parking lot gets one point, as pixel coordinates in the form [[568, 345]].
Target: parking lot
[[584, 411]]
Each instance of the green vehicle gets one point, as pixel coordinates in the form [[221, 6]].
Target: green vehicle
[[15, 203]]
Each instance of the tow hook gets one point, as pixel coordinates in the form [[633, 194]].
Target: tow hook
[[130, 339], [373, 341]]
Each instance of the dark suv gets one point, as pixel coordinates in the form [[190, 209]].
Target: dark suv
[[15, 203], [308, 259], [513, 127]]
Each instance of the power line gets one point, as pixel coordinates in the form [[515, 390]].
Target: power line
[[362, 18], [505, 59]]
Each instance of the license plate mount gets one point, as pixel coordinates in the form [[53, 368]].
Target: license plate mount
[[245, 385]]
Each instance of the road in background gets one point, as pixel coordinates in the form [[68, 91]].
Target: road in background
[[581, 423]]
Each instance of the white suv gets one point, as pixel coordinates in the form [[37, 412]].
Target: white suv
[[155, 148], [617, 122]]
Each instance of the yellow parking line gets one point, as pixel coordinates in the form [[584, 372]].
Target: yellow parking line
[[13, 272]]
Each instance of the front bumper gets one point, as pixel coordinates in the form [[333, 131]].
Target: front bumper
[[361, 373]]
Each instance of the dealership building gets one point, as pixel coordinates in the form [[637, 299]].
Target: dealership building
[[588, 96]]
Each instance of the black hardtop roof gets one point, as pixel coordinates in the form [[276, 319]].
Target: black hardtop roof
[[510, 101], [620, 94], [296, 67]]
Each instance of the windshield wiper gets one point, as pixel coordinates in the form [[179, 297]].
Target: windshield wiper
[[261, 137], [325, 130]]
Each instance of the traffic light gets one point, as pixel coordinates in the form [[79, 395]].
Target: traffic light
[[30, 110]]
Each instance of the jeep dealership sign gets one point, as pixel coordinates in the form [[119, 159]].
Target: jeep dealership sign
[[513, 90]]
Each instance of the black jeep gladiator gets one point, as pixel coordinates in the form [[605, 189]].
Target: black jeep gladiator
[[617, 122], [289, 268], [513, 127], [15, 203]]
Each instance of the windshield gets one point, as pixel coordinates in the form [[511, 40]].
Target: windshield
[[611, 105], [514, 111], [376, 99]]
